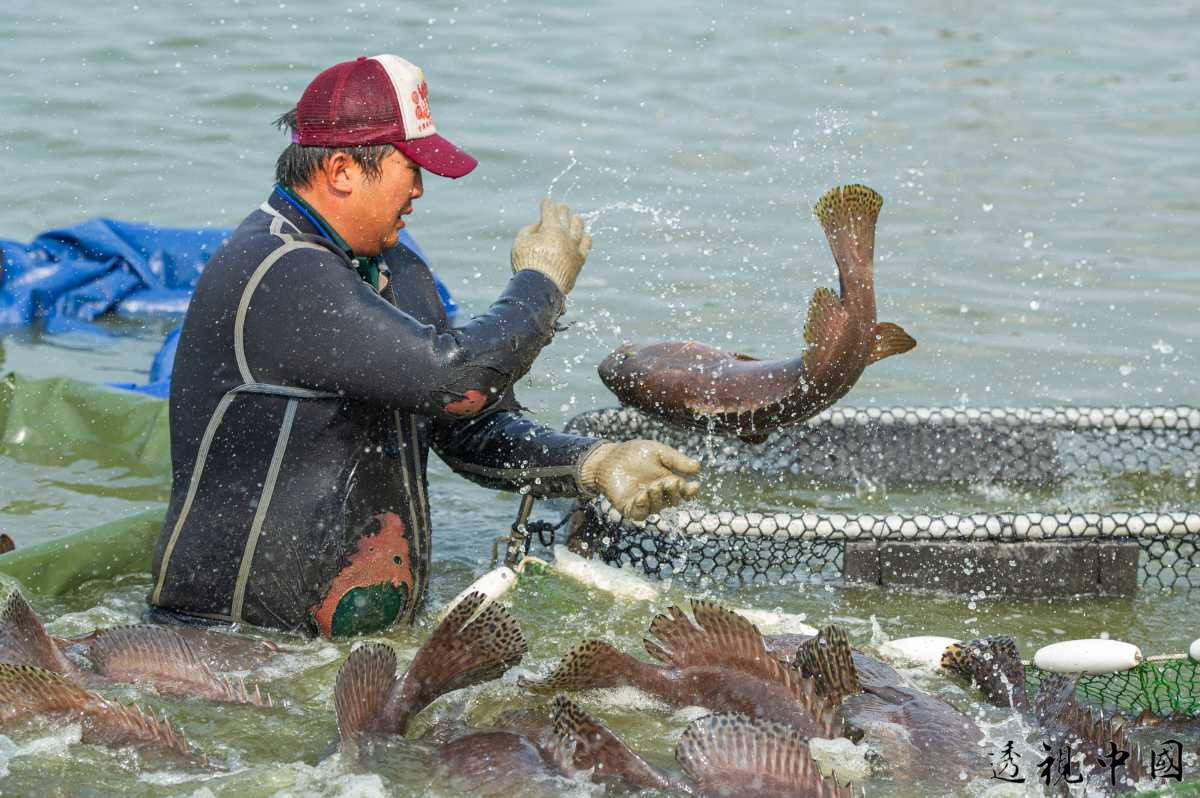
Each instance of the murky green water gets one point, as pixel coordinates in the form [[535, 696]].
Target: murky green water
[[1038, 239]]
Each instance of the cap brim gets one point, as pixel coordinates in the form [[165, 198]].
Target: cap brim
[[438, 155]]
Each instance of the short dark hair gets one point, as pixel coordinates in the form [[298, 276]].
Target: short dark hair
[[297, 165]]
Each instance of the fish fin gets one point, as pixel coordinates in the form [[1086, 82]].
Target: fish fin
[[719, 637], [890, 339], [724, 750], [1058, 710], [596, 748], [157, 654], [26, 689], [591, 664], [826, 320], [829, 660], [1055, 696], [992, 664], [755, 439], [848, 215], [825, 313], [363, 684], [23, 639], [470, 646], [722, 638], [6, 543]]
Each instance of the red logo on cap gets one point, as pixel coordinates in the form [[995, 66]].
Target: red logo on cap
[[420, 98]]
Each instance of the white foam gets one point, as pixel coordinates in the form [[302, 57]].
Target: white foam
[[842, 758], [776, 621]]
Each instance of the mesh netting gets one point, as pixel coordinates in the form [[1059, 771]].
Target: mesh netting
[[937, 445], [927, 446], [921, 446], [1167, 686]]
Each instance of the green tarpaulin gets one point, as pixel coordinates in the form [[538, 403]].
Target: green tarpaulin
[[47, 423]]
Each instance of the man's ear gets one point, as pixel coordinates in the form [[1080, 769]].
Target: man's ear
[[340, 173]]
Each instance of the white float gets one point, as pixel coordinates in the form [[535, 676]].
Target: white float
[[621, 582], [494, 584], [1194, 651], [1088, 656], [924, 651]]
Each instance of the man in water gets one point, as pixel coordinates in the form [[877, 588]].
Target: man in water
[[317, 367]]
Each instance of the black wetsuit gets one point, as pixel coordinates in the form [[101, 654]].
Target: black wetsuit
[[303, 405]]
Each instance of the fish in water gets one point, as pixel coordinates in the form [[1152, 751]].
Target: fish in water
[[473, 644], [26, 691], [165, 657], [729, 756], [724, 755], [699, 386], [6, 543], [719, 662], [993, 664], [923, 738]]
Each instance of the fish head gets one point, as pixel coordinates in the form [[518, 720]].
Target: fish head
[[611, 367]]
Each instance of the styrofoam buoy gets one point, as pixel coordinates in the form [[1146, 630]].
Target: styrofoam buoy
[[924, 651], [1194, 651], [494, 584], [1088, 656], [621, 582]]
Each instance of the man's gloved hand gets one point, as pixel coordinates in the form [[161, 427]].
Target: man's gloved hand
[[639, 477], [556, 246]]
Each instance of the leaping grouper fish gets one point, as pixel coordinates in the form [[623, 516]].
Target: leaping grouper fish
[[176, 661], [993, 664], [719, 662], [699, 386]]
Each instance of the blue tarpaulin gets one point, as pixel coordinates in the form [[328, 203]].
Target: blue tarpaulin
[[65, 279]]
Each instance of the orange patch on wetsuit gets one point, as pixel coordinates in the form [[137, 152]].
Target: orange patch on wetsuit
[[373, 590], [471, 403]]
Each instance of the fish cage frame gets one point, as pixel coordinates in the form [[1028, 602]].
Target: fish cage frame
[[1039, 446]]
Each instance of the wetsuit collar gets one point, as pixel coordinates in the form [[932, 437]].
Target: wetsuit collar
[[368, 267]]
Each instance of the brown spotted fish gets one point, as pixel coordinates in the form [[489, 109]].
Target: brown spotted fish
[[472, 645], [993, 665], [698, 386], [168, 658], [720, 662], [723, 756], [923, 738], [26, 691]]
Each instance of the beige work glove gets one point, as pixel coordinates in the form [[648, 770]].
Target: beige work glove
[[556, 246], [639, 477]]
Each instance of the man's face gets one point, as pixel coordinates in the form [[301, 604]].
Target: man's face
[[380, 204]]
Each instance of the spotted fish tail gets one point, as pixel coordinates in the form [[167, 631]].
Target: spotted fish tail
[[473, 644]]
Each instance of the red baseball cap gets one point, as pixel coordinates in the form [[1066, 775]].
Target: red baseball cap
[[379, 100]]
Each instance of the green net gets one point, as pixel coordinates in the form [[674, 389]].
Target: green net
[[1167, 686]]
